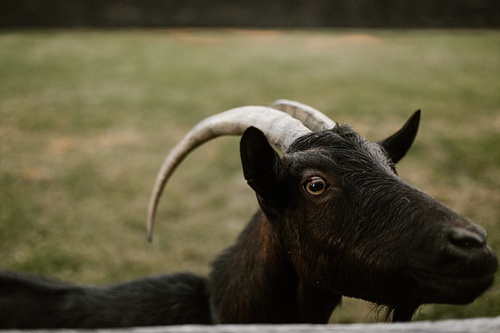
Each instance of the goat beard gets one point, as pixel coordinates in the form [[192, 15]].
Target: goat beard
[[398, 314]]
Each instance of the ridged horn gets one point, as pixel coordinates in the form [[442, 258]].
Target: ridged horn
[[280, 129], [312, 118]]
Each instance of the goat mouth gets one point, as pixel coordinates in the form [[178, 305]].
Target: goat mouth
[[451, 289]]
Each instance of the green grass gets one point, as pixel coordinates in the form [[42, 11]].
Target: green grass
[[86, 118]]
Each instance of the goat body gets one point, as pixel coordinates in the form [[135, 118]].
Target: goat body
[[28, 301]]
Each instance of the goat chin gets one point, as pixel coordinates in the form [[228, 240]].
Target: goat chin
[[453, 289]]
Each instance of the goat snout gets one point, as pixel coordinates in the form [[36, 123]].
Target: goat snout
[[465, 253], [462, 266]]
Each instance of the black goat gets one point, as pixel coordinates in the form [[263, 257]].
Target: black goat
[[335, 220]]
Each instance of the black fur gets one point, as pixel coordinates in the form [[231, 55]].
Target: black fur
[[28, 301]]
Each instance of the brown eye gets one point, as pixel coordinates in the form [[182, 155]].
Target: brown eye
[[315, 186]]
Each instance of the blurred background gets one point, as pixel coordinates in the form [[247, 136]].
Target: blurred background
[[87, 114]]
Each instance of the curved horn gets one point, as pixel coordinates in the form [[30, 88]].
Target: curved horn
[[279, 128], [313, 119]]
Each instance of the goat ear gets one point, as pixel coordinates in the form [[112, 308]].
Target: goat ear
[[398, 144], [260, 164]]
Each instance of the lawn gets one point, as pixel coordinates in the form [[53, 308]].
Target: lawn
[[86, 118]]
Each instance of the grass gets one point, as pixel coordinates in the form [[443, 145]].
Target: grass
[[86, 118]]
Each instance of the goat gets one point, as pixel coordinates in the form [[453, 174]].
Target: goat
[[335, 220]]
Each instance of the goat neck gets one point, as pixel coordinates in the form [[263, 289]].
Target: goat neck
[[255, 281]]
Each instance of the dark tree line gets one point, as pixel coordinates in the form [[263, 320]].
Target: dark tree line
[[256, 13]]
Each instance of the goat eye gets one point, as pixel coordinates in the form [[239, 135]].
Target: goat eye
[[315, 186]]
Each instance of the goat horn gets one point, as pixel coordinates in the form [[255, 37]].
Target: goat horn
[[312, 118], [280, 129]]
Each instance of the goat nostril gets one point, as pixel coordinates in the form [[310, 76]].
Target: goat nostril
[[464, 238]]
